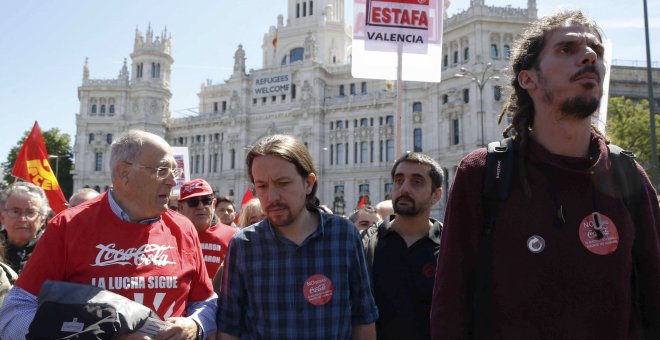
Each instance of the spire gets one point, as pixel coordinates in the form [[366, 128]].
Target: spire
[[123, 73], [86, 70], [531, 8]]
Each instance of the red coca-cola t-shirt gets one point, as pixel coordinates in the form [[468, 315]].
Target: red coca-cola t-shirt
[[214, 242], [159, 265]]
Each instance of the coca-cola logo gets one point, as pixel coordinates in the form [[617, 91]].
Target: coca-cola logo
[[147, 254]]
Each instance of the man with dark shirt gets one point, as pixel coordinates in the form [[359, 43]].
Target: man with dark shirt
[[403, 251]]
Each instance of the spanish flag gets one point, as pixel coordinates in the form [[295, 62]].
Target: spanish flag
[[32, 165]]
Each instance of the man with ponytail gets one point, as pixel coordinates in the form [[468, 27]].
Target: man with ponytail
[[568, 253]]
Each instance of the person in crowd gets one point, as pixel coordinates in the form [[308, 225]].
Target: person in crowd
[[560, 259], [197, 203], [7, 275], [300, 273], [251, 213], [226, 211], [403, 251], [385, 209], [82, 195], [127, 232], [364, 216], [173, 202], [24, 213]]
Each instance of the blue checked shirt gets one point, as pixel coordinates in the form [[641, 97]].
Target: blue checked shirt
[[272, 288]]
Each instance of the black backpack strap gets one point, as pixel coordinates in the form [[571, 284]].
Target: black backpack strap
[[497, 183], [629, 181]]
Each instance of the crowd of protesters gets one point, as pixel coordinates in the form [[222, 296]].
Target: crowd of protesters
[[566, 253]]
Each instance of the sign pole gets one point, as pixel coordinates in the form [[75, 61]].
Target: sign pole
[[399, 100]]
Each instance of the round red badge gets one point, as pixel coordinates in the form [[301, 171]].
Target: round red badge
[[599, 234], [318, 290]]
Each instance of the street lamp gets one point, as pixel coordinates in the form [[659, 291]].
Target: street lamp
[[57, 163], [481, 79]]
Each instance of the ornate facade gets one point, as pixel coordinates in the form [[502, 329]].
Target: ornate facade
[[305, 88]]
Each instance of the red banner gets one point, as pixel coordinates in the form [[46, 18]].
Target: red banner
[[32, 165]]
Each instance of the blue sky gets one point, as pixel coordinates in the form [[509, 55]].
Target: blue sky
[[43, 46]]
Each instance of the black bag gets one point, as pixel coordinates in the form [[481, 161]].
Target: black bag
[[78, 311]]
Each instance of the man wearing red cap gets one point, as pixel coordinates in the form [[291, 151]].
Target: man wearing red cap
[[197, 203]]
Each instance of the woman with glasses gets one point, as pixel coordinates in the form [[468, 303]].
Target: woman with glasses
[[23, 215]]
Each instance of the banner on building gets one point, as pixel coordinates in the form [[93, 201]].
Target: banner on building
[[382, 28], [182, 160], [271, 85], [32, 165]]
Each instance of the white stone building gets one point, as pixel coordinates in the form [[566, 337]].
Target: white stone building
[[347, 123]]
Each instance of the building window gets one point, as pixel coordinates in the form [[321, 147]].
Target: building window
[[233, 159], [111, 110], [389, 154], [364, 192], [445, 99], [293, 91], [296, 54], [466, 54], [417, 140], [389, 120], [108, 138], [273, 99], [497, 92], [98, 161], [215, 162], [364, 122], [254, 101], [139, 69], [311, 7], [90, 138], [371, 151], [355, 153], [353, 89], [338, 203], [94, 109], [445, 60], [215, 107], [388, 191], [346, 153], [341, 90], [506, 51], [153, 70], [304, 12], [493, 51], [157, 70], [466, 95], [417, 107], [363, 87], [455, 57], [456, 132], [297, 10], [332, 154], [102, 109], [340, 154], [196, 164], [364, 152], [340, 124], [264, 100]]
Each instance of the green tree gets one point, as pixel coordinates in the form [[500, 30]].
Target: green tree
[[57, 144], [628, 126]]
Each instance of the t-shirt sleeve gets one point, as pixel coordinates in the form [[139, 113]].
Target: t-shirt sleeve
[[48, 260], [232, 300], [363, 305], [201, 287]]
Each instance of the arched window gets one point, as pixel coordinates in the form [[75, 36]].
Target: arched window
[[297, 10], [108, 138], [466, 54], [158, 70], [311, 7], [417, 107], [497, 92], [364, 122], [111, 110], [296, 54], [153, 70], [506, 51], [455, 57], [493, 51], [466, 95], [94, 109], [102, 108], [340, 124], [389, 120], [445, 99], [90, 138], [417, 139]]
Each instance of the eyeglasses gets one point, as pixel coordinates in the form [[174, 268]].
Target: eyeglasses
[[194, 202], [17, 213], [162, 172]]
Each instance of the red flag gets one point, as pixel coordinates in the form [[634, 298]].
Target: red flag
[[32, 165], [275, 40], [363, 201], [247, 196]]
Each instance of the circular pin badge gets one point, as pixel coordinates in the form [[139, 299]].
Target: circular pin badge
[[535, 244], [599, 234], [318, 290]]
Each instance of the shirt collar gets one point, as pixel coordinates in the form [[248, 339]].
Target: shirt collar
[[318, 232], [122, 215], [385, 228]]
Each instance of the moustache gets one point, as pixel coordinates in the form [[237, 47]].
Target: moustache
[[586, 69], [275, 206], [408, 198]]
